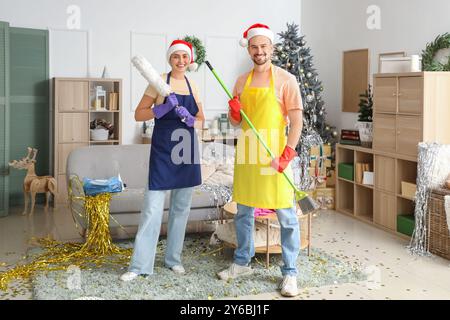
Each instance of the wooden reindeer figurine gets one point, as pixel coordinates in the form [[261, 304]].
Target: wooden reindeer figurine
[[32, 183]]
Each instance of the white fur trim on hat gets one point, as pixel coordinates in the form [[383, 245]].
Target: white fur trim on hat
[[179, 47], [256, 32]]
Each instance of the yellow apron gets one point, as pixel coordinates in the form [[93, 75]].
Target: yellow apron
[[256, 183]]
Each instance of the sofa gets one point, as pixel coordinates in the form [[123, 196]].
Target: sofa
[[131, 162]]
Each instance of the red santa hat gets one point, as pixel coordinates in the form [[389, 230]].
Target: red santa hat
[[181, 45], [256, 30]]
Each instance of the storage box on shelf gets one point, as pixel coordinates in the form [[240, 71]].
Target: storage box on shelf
[[408, 190], [408, 108], [346, 171], [406, 224], [76, 104]]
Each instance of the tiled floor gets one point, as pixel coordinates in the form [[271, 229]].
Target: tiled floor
[[393, 272]]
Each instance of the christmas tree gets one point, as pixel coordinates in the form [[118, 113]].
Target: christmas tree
[[292, 55], [366, 106]]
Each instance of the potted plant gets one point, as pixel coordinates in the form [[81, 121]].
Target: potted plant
[[365, 125]]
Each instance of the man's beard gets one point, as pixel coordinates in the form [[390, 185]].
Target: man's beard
[[261, 62]]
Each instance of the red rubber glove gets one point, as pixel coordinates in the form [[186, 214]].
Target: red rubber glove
[[235, 109], [280, 163]]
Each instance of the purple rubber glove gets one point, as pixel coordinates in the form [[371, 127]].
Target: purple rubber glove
[[185, 116], [162, 109]]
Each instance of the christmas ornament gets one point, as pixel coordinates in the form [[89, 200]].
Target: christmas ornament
[[428, 55], [199, 51]]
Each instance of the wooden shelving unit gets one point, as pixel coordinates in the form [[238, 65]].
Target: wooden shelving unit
[[408, 108], [73, 111]]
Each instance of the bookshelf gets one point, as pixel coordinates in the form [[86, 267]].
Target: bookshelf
[[74, 108], [408, 108]]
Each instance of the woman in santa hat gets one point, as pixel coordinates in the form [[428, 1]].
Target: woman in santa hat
[[179, 172]]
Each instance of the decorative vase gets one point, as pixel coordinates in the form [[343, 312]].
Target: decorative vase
[[365, 133]]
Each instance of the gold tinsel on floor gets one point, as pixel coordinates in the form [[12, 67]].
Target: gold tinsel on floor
[[96, 251]]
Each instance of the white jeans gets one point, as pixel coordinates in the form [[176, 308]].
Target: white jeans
[[144, 251]]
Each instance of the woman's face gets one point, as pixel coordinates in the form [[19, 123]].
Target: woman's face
[[179, 61]]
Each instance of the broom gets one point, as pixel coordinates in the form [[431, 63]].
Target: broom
[[305, 202]]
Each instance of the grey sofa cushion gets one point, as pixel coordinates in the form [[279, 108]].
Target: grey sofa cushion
[[103, 162], [131, 200]]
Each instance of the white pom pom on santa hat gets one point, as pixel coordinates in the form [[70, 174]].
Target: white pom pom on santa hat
[[257, 29], [181, 45], [243, 42], [193, 66]]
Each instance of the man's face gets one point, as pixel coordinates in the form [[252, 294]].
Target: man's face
[[179, 60], [260, 49]]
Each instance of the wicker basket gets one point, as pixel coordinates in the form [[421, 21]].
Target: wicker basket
[[439, 235]]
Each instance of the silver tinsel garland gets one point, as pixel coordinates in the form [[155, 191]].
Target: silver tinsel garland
[[300, 164], [433, 168], [219, 195]]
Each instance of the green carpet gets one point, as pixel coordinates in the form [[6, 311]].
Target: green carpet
[[201, 262]]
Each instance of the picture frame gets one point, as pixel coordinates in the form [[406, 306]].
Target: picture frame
[[355, 77]]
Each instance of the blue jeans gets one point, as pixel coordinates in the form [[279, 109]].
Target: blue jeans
[[290, 237], [143, 259]]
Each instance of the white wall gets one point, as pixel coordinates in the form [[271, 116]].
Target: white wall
[[112, 30], [334, 26]]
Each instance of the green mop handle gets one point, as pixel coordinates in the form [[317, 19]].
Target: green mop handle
[[260, 139]]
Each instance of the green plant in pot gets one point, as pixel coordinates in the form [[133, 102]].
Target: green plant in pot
[[365, 125]]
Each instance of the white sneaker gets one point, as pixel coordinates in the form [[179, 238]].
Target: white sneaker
[[234, 271], [128, 276], [289, 286], [179, 269]]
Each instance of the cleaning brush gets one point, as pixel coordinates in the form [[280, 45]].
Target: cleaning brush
[[304, 201]]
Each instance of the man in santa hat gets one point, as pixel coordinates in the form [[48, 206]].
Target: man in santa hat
[[270, 97]]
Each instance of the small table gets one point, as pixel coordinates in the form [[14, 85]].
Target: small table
[[231, 209]]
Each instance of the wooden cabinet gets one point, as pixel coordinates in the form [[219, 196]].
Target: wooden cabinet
[[385, 173], [384, 132], [74, 101], [64, 150], [408, 108], [410, 95], [72, 95], [385, 210], [73, 127], [386, 94], [409, 134]]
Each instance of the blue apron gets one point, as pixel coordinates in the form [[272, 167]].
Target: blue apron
[[163, 173]]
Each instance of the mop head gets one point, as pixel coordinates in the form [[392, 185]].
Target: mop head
[[149, 73]]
